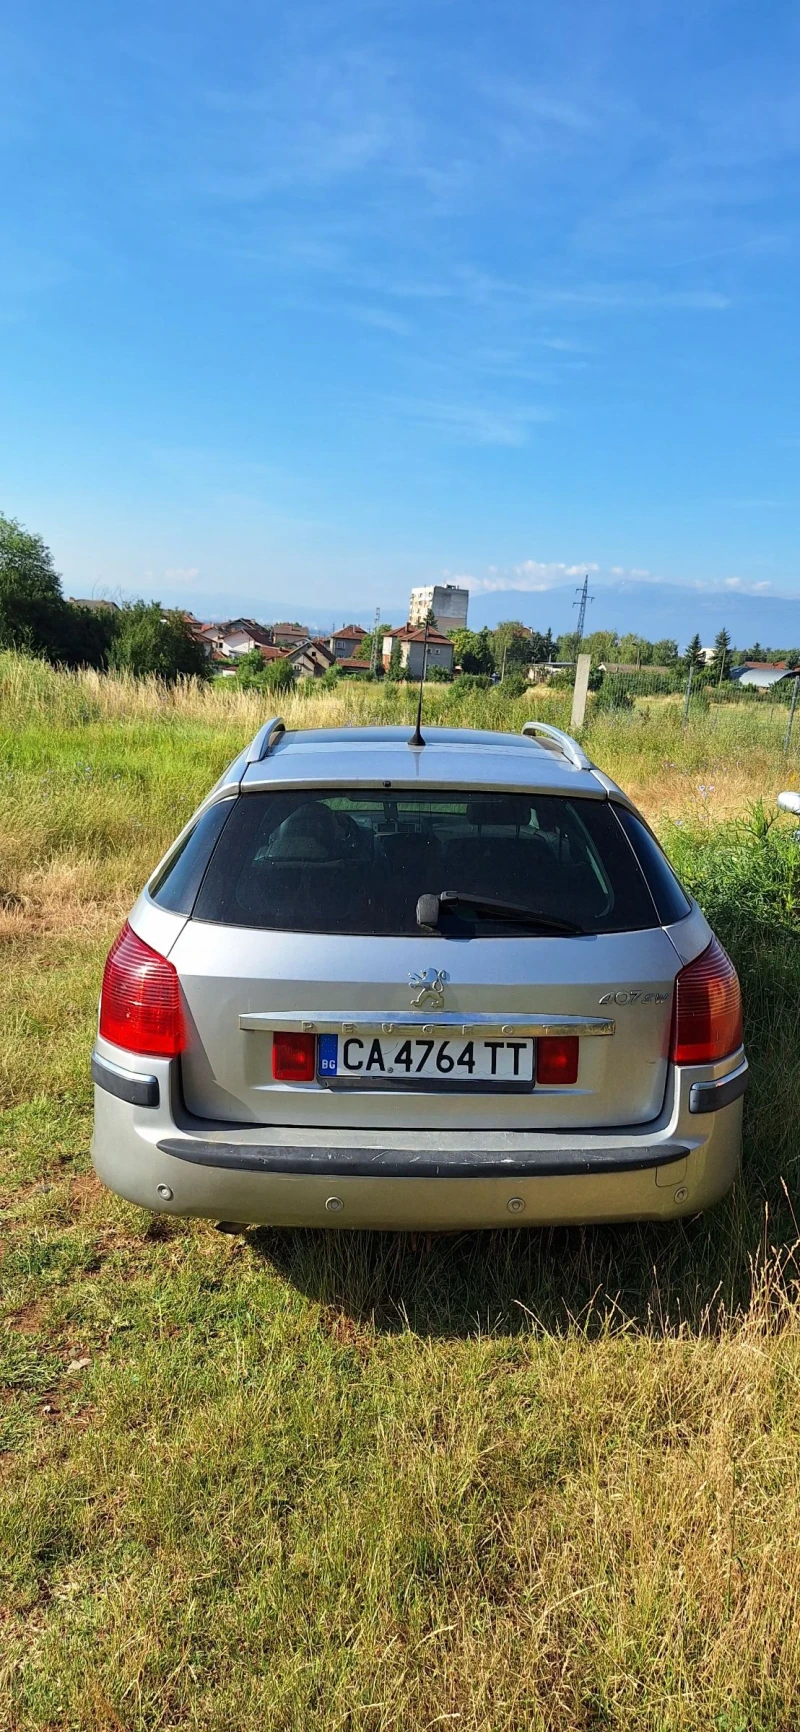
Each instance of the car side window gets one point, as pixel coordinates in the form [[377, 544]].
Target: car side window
[[670, 898], [176, 885]]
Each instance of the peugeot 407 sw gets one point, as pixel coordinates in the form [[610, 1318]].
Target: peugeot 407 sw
[[381, 982]]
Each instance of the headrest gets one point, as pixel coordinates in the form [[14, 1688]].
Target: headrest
[[310, 833]]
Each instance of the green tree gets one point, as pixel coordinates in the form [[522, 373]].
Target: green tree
[[473, 651], [602, 646], [151, 641], [511, 645], [395, 669], [251, 665], [543, 646], [33, 613], [633, 649], [722, 644], [279, 676], [664, 652], [693, 657]]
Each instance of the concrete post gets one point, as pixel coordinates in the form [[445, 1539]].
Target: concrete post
[[579, 691], [790, 724]]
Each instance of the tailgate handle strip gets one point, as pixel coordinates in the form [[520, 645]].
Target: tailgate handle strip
[[388, 1021]]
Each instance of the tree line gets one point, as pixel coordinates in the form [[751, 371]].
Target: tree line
[[141, 637], [145, 638]]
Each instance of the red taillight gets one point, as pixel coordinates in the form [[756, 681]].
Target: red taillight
[[140, 1004], [557, 1058], [707, 1019], [294, 1057]]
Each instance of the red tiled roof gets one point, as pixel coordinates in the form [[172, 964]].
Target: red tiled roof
[[416, 634]]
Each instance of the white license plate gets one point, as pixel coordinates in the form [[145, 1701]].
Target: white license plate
[[449, 1059]]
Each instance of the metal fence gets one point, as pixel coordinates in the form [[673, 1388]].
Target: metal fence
[[698, 694]]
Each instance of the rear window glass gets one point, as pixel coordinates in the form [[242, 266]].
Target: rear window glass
[[670, 898], [334, 861], [177, 883]]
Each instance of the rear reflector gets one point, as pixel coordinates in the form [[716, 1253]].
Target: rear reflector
[[557, 1059], [707, 1019], [140, 1004], [294, 1057]]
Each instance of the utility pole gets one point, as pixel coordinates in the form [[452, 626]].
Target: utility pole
[[374, 658], [583, 593]]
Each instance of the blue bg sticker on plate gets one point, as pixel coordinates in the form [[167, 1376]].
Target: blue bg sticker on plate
[[328, 1055]]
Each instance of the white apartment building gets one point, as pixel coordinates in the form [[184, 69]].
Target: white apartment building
[[449, 604]]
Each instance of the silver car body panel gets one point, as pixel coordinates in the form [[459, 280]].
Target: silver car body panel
[[128, 1158]]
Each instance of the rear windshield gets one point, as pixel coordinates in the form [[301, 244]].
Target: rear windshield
[[358, 861]]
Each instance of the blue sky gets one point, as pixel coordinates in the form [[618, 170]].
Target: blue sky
[[303, 303]]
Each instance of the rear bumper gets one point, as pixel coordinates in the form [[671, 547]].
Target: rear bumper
[[160, 1158]]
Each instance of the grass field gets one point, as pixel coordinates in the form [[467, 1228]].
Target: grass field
[[297, 1481]]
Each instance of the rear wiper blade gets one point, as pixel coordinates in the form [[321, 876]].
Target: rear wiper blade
[[430, 907]]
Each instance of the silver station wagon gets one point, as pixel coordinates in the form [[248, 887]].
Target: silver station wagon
[[386, 982]]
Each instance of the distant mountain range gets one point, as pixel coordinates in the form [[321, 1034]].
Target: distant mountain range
[[651, 610]]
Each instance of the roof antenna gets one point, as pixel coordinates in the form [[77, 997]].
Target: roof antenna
[[416, 737]]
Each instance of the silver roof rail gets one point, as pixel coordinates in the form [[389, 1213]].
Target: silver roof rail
[[562, 742], [265, 739]]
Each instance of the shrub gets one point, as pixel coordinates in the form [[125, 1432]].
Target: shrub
[[471, 683], [279, 676], [150, 640], [513, 686], [614, 694]]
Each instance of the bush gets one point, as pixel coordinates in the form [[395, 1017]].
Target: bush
[[439, 675], [513, 686], [614, 694], [279, 676], [150, 641], [471, 683]]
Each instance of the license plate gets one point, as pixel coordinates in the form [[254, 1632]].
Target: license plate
[[425, 1058]]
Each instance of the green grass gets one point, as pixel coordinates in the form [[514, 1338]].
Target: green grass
[[359, 1482]]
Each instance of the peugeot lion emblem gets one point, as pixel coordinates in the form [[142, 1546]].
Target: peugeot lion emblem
[[431, 983]]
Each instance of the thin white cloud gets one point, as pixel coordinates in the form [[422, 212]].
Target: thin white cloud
[[182, 573], [475, 423], [532, 576]]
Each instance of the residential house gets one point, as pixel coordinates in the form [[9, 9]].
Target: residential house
[[236, 636], [352, 665], [440, 653], [288, 634], [345, 642], [311, 659]]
